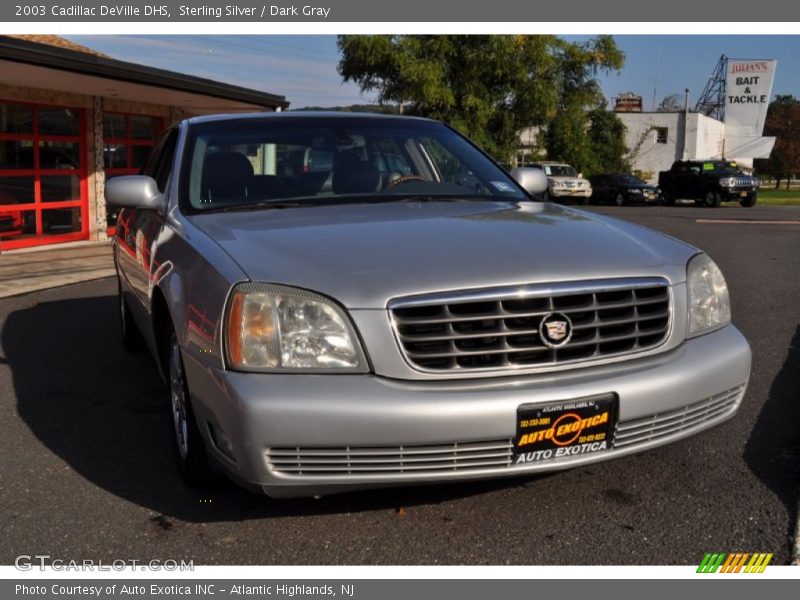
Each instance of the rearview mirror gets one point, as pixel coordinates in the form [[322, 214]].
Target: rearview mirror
[[134, 191], [533, 181]]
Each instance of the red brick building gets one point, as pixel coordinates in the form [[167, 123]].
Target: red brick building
[[72, 118]]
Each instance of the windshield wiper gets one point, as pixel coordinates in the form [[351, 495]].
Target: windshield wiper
[[297, 202], [430, 198], [306, 201]]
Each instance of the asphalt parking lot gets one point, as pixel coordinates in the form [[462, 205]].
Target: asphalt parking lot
[[87, 470]]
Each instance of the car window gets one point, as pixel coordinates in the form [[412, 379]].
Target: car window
[[150, 164], [159, 163], [165, 160], [630, 180], [560, 171], [243, 162], [722, 168]]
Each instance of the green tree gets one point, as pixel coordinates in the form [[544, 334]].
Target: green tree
[[489, 87], [571, 136], [783, 122], [607, 143]]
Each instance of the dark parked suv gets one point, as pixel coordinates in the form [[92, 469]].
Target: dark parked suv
[[708, 182]]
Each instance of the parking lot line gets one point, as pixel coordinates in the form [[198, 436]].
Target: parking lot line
[[747, 222]]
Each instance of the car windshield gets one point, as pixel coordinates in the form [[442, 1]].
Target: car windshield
[[253, 163], [560, 171], [722, 168], [630, 180]]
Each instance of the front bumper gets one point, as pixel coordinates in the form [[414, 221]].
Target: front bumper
[[736, 194], [570, 192], [644, 198], [662, 398]]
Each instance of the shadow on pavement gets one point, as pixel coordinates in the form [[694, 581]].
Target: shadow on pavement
[[103, 411], [772, 452]]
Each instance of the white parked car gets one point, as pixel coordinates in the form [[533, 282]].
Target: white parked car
[[563, 182]]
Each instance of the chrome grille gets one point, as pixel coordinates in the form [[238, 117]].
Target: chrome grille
[[499, 329], [670, 422], [391, 459]]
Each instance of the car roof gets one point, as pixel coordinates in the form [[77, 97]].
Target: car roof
[[303, 115]]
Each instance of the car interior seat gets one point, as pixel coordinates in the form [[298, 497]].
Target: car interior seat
[[227, 178]]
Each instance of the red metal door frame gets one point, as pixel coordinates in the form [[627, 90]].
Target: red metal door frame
[[40, 238]]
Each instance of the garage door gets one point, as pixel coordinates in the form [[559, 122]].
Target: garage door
[[43, 188]]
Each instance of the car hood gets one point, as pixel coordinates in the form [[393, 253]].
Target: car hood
[[365, 254]]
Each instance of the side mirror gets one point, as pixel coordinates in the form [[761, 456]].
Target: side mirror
[[533, 181], [135, 191], [580, 175]]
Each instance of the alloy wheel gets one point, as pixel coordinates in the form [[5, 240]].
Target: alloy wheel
[[180, 419]]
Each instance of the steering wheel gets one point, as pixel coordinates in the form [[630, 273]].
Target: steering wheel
[[403, 179]]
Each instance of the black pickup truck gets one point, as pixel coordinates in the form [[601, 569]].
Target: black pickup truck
[[707, 182]]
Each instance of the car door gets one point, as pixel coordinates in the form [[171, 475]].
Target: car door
[[602, 190], [682, 181], [141, 227]]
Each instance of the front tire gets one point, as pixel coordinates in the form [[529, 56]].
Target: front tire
[[619, 199], [749, 200], [190, 450], [713, 199], [667, 198]]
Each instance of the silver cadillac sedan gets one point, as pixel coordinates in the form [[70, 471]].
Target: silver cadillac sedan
[[341, 301]]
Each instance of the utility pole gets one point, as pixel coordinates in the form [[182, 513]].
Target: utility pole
[[685, 124]]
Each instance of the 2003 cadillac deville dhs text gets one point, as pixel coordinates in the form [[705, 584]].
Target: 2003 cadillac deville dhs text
[[341, 302]]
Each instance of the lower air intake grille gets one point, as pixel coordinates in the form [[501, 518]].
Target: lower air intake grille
[[493, 454], [673, 421], [389, 460]]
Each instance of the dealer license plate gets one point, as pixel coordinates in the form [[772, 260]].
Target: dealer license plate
[[563, 429], [743, 194]]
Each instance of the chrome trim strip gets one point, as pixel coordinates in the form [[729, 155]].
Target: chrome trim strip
[[523, 292]]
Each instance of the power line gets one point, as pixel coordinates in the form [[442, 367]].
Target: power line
[[252, 48]]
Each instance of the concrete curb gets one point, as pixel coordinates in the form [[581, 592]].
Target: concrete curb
[[36, 269], [38, 286]]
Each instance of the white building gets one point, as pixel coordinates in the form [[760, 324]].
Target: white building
[[657, 139]]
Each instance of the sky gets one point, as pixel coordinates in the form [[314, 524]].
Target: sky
[[303, 67]]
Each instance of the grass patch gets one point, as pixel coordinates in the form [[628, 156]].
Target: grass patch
[[778, 197]]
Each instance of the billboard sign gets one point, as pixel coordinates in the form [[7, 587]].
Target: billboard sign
[[747, 94], [628, 103]]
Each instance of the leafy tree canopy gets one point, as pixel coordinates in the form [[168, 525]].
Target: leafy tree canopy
[[489, 87], [783, 122]]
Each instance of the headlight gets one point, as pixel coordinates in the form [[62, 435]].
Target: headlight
[[709, 304], [273, 327], [634, 191], [727, 181]]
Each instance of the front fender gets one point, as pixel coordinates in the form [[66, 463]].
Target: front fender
[[194, 276]]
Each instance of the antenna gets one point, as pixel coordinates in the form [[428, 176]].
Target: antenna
[[655, 85], [712, 100]]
